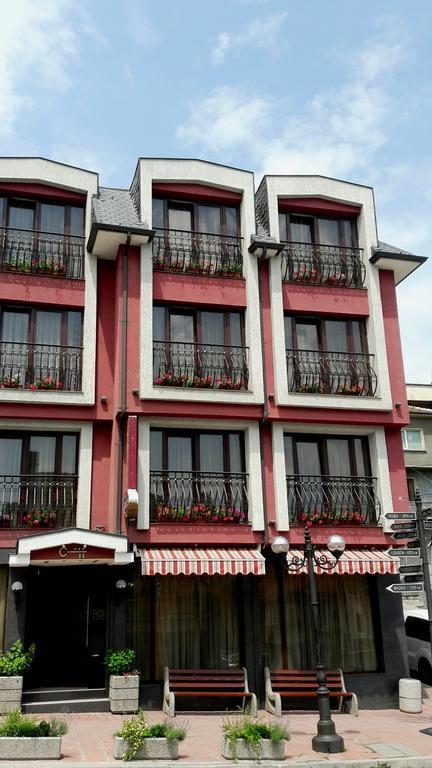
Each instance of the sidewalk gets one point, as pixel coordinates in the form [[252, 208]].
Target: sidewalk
[[375, 735]]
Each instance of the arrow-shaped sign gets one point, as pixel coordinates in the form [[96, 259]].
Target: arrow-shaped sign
[[412, 579], [405, 588], [427, 525], [410, 569], [400, 515], [403, 552], [404, 535], [404, 526]]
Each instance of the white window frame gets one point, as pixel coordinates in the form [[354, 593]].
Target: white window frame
[[405, 445]]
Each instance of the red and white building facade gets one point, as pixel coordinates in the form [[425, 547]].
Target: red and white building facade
[[188, 369]]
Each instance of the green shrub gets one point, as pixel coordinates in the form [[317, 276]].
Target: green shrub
[[253, 732], [120, 662], [17, 724], [136, 729], [16, 660]]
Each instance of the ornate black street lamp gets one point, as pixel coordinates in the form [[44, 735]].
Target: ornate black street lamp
[[326, 740]]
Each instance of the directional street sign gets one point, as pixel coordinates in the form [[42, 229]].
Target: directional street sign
[[400, 515], [403, 552], [403, 569], [412, 579], [408, 526], [403, 534], [405, 587], [427, 525], [413, 543]]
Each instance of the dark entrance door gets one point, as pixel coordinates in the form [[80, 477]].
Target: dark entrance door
[[66, 619]]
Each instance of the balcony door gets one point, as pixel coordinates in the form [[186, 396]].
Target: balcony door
[[20, 234], [328, 478]]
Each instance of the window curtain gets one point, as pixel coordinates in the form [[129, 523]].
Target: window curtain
[[347, 633], [47, 355], [196, 623], [13, 350], [10, 470]]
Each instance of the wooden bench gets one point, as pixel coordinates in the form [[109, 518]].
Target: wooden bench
[[209, 683], [301, 684]]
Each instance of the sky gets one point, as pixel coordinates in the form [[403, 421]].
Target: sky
[[336, 88]]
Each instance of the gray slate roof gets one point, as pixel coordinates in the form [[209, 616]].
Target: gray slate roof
[[392, 248], [115, 207]]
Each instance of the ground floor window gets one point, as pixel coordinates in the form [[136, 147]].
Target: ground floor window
[[185, 622], [348, 638]]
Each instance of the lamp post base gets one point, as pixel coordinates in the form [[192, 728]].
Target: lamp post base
[[328, 742]]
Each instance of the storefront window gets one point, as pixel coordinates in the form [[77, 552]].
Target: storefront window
[[347, 632]]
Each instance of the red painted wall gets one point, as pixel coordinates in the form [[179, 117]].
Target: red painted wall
[[321, 300], [196, 289], [393, 345], [38, 289]]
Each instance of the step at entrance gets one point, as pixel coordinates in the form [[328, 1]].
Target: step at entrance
[[65, 700]]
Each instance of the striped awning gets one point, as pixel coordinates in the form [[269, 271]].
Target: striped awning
[[353, 561], [222, 562]]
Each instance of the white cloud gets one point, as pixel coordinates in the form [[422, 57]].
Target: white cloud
[[224, 119], [337, 133], [259, 32], [36, 44]]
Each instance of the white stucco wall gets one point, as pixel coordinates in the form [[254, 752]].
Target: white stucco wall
[[343, 192], [196, 171], [252, 462], [40, 171]]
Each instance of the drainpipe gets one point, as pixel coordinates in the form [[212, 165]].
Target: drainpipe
[[264, 418], [122, 414]]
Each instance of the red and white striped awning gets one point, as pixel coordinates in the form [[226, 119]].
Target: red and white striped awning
[[353, 561], [222, 562]]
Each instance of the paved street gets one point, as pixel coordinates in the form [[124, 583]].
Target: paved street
[[374, 735]]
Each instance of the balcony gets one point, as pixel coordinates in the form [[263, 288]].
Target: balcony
[[331, 373], [202, 366], [41, 253], [197, 253], [198, 497], [40, 367], [38, 501], [332, 500], [330, 265]]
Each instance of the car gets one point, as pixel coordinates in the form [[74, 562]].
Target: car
[[418, 643]]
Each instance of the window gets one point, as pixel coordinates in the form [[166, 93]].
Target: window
[[329, 479], [321, 250], [197, 476], [40, 349], [41, 237], [413, 440], [197, 238], [38, 479], [328, 356], [203, 348], [316, 230]]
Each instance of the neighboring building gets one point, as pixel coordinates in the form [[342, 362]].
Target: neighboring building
[[187, 371], [417, 442]]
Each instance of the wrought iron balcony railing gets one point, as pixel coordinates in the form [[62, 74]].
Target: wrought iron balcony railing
[[198, 497], [38, 501], [330, 265], [41, 253], [197, 253], [208, 366], [40, 367], [334, 373], [332, 500]]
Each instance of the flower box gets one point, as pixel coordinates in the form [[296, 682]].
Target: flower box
[[151, 749], [268, 750], [124, 693], [10, 693], [30, 747]]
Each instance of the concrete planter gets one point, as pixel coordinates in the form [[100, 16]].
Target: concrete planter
[[10, 693], [269, 750], [124, 693], [152, 749], [30, 748]]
